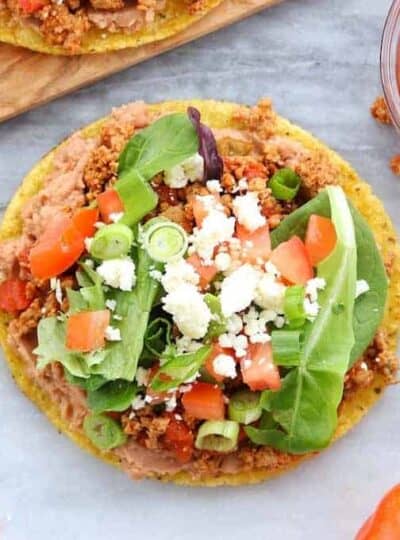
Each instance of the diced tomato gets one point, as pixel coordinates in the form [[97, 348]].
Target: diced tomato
[[179, 439], [320, 238], [109, 203], [13, 295], [292, 261], [86, 330], [206, 272], [215, 351], [258, 369], [84, 220], [256, 245], [31, 6], [384, 524], [204, 401], [57, 249]]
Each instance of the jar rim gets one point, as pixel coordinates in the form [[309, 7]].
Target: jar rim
[[389, 62]]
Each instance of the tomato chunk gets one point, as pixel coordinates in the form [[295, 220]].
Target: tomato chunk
[[57, 249], [206, 272], [204, 401], [384, 524], [215, 351], [179, 439], [13, 295], [84, 220], [31, 6], [86, 330], [109, 203], [320, 238], [258, 369], [199, 211], [256, 245], [291, 259]]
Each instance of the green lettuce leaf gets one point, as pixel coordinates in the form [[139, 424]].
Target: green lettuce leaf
[[306, 406], [113, 396]]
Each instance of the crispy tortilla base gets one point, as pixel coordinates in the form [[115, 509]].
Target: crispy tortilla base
[[175, 18], [219, 114]]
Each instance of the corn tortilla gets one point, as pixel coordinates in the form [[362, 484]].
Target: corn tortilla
[[219, 115], [173, 19]]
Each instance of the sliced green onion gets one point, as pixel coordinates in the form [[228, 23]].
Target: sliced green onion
[[217, 324], [138, 197], [218, 436], [285, 184], [103, 431], [111, 242], [179, 369], [286, 347], [244, 407], [293, 306], [164, 240]]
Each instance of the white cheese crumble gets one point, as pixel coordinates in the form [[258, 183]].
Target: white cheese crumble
[[270, 268], [223, 261], [185, 344], [142, 376], [270, 293], [256, 325], [112, 334], [155, 274], [238, 343], [58, 292], [216, 229], [237, 290], [111, 304], [116, 216], [118, 273], [171, 403], [234, 324], [88, 243], [190, 170], [214, 186], [189, 310], [311, 309], [138, 403], [248, 211], [313, 286], [178, 273], [361, 287], [225, 366]]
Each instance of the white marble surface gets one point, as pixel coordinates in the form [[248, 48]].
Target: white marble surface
[[318, 59]]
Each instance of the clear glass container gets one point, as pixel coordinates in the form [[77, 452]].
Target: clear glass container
[[390, 62]]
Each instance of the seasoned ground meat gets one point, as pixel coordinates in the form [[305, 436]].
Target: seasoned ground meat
[[60, 26], [107, 4], [380, 111]]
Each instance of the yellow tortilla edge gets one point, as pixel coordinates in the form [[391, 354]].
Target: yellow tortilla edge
[[219, 114], [174, 19]]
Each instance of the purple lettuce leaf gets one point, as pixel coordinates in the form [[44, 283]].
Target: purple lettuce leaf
[[213, 165]]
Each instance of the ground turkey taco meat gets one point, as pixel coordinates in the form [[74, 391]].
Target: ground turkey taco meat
[[165, 299]]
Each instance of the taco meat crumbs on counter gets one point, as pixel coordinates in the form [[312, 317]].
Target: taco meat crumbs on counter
[[159, 430]]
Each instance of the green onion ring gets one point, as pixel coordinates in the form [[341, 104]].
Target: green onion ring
[[165, 240], [111, 242], [244, 407], [285, 184], [218, 436]]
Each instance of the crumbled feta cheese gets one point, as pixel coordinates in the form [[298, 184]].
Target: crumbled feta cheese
[[364, 366], [88, 243], [178, 273], [142, 376], [223, 261], [190, 170], [118, 273], [313, 286], [214, 186], [279, 321], [248, 212], [311, 309], [89, 263], [225, 365], [185, 344], [243, 184], [138, 403], [260, 337], [111, 304], [234, 324], [112, 334], [58, 292], [189, 310], [99, 224], [117, 317], [53, 283], [238, 289], [156, 274], [216, 229], [116, 216], [270, 268], [361, 287], [175, 177], [170, 404], [194, 167], [270, 293], [185, 388]]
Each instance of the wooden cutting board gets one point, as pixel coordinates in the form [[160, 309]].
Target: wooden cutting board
[[29, 79]]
